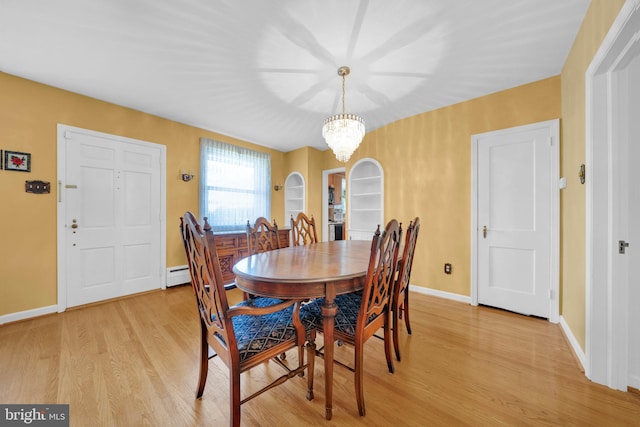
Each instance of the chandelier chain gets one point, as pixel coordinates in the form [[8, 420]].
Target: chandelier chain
[[343, 110]]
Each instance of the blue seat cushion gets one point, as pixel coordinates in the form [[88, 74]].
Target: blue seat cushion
[[346, 317], [255, 334]]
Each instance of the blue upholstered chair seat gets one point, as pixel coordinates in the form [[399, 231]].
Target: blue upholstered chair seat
[[255, 334], [346, 317]]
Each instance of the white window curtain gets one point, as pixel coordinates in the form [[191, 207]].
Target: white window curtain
[[234, 185]]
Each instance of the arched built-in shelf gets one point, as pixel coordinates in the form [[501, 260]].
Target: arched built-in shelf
[[366, 199], [294, 196]]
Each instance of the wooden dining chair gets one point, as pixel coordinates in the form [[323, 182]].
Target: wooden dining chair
[[400, 300], [361, 314], [262, 236], [303, 230], [208, 232], [248, 334]]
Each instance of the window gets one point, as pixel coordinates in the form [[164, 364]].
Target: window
[[234, 185]]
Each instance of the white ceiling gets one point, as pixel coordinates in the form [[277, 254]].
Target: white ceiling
[[266, 71]]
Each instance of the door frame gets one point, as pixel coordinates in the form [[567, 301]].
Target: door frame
[[325, 200], [606, 329], [62, 206], [554, 213]]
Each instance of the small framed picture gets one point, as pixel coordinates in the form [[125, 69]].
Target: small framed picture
[[16, 161]]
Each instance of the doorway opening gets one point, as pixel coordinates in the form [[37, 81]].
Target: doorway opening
[[334, 204]]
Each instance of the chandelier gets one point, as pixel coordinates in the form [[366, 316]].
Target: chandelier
[[343, 132]]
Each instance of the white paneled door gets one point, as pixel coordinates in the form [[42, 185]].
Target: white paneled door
[[612, 335], [113, 217], [515, 191]]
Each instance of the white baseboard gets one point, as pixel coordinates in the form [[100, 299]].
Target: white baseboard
[[178, 275], [577, 350], [439, 294], [28, 314]]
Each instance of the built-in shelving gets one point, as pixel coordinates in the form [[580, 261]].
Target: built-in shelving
[[366, 199], [294, 196]]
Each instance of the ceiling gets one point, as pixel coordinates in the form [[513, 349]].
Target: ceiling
[[266, 71]]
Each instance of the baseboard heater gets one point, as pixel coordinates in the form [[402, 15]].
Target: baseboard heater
[[178, 275]]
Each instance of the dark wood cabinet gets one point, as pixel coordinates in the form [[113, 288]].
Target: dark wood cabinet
[[232, 247]]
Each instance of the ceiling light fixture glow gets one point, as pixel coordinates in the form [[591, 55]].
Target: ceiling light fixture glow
[[343, 132]]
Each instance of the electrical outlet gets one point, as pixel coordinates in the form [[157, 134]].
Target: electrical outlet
[[447, 268]]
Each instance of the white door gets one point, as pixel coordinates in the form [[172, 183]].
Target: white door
[[515, 190], [113, 215], [612, 339], [630, 260], [633, 278], [625, 99]]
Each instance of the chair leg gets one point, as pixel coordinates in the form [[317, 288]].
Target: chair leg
[[396, 321], [234, 396], [311, 356], [387, 345], [204, 360], [359, 348], [300, 357], [405, 308]]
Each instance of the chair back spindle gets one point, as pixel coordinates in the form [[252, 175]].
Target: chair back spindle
[[303, 230], [262, 237]]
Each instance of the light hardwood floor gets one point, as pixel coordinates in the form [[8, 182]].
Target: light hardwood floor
[[134, 362]]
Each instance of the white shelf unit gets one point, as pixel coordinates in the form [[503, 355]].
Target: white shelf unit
[[366, 199], [294, 197]]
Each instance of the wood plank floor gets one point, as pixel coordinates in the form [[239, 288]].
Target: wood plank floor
[[133, 362]]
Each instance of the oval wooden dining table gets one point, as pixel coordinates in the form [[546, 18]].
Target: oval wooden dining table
[[323, 269]]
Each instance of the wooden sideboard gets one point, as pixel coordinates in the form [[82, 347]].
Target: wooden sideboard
[[232, 247]]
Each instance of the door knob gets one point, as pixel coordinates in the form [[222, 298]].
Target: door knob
[[74, 224], [484, 232]]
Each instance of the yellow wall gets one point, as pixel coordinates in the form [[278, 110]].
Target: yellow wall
[[427, 172], [29, 115], [595, 26]]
